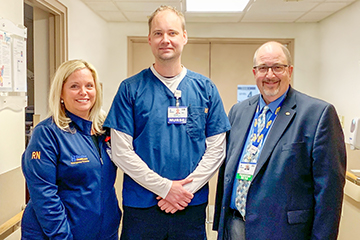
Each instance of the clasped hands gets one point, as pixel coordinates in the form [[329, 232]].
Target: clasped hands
[[177, 199]]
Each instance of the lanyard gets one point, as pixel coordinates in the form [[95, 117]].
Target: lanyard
[[177, 95], [256, 138], [177, 114]]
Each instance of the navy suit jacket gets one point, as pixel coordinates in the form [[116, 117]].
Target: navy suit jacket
[[297, 189]]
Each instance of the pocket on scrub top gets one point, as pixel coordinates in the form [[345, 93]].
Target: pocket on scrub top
[[195, 125]]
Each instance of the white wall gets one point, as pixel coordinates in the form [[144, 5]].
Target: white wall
[[12, 10], [12, 124], [12, 136], [339, 82], [340, 62], [88, 37]]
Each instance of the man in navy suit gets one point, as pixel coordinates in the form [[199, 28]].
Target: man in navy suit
[[284, 180]]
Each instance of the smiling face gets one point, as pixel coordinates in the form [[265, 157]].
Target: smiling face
[[79, 93], [272, 86], [167, 37]]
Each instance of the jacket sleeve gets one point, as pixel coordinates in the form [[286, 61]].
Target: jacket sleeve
[[329, 166], [218, 200], [39, 165], [220, 183]]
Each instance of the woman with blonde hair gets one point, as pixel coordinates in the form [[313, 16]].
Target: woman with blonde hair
[[67, 164]]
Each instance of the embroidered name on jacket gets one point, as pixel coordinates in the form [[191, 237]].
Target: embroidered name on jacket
[[75, 159]]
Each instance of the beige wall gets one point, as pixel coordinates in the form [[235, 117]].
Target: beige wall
[[351, 208], [339, 68], [12, 138], [339, 81], [88, 37]]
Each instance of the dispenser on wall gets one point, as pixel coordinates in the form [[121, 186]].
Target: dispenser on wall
[[355, 134]]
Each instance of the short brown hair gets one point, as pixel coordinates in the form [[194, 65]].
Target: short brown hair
[[164, 8]]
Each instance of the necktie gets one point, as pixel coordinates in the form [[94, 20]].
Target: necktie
[[243, 186]]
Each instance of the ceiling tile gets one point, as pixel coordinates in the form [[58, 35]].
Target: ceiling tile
[[259, 11], [141, 6], [280, 5], [137, 16], [102, 6], [313, 1], [113, 16], [348, 1], [327, 7], [213, 17], [86, 1], [272, 16], [314, 16], [160, 2]]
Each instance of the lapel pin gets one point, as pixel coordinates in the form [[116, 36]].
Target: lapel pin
[[287, 113]]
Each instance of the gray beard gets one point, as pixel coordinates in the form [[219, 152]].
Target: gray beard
[[271, 93]]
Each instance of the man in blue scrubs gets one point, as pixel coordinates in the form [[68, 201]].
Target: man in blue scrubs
[[168, 136]]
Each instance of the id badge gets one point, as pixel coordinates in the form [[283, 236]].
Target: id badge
[[247, 166], [246, 171], [177, 115]]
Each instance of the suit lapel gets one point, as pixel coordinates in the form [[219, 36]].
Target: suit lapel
[[282, 121], [238, 131], [245, 120]]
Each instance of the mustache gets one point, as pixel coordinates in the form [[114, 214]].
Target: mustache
[[270, 81]]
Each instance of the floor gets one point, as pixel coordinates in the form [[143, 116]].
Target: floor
[[211, 235]]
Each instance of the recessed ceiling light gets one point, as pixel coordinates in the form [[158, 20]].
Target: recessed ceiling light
[[216, 5]]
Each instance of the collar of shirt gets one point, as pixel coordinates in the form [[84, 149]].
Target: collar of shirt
[[274, 104], [81, 124], [171, 83]]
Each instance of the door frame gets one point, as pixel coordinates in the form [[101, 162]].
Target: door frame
[[58, 30]]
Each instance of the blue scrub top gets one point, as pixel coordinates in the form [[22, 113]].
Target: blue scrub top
[[173, 151]]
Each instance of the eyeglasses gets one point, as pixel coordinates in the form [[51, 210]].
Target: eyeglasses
[[276, 69]]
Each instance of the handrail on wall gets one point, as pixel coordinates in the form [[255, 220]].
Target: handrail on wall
[[12, 222]]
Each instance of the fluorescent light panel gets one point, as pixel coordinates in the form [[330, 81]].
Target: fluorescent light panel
[[216, 5]]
